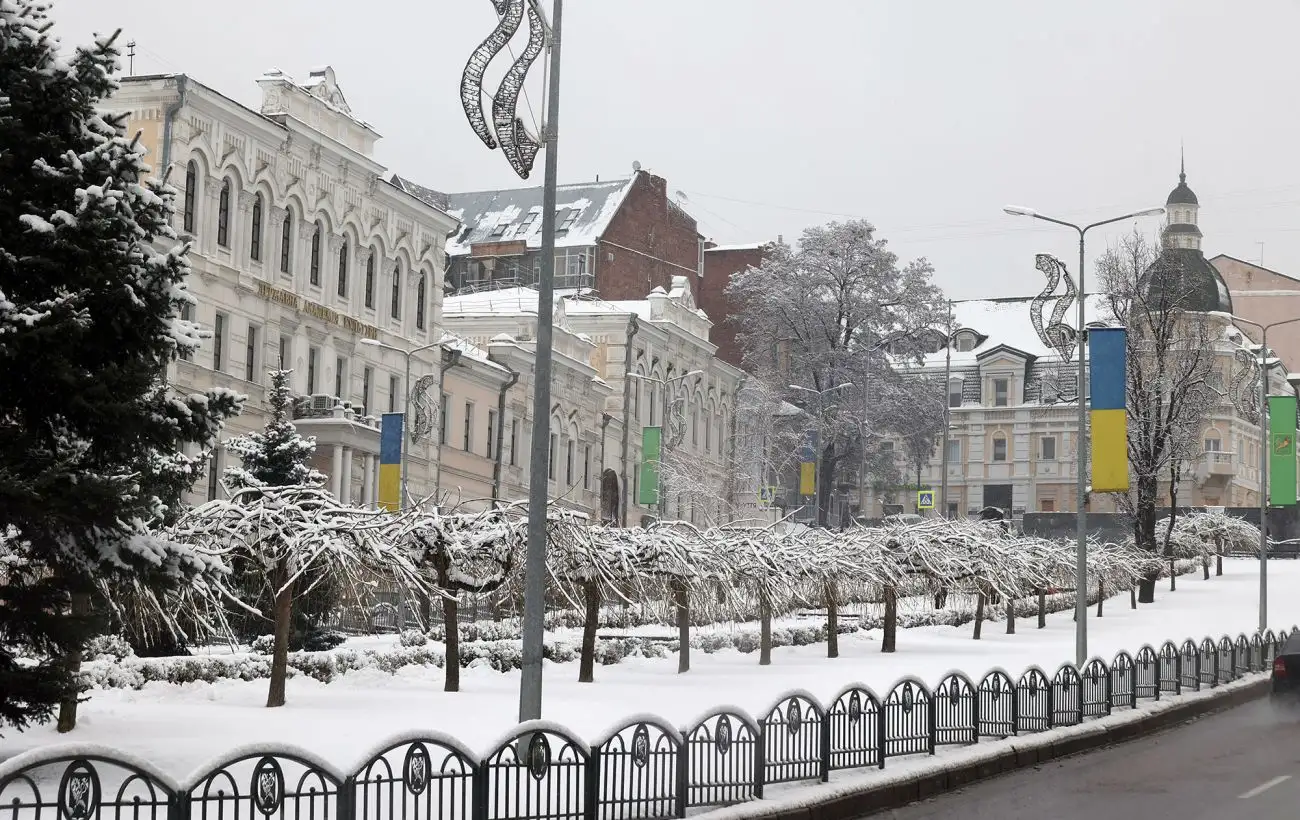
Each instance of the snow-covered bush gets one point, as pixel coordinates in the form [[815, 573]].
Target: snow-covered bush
[[263, 645], [108, 647], [413, 637]]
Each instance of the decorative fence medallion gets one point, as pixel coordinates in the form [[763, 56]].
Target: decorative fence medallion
[[268, 786], [79, 792], [723, 738], [415, 771], [908, 697], [954, 691], [996, 686], [539, 756], [855, 707], [1033, 685], [641, 746], [793, 717]]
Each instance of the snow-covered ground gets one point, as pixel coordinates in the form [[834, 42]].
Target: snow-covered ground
[[181, 727]]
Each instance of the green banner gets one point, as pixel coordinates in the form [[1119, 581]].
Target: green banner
[[1281, 451], [649, 492]]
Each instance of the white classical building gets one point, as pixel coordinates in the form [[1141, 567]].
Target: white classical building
[[613, 363], [302, 253]]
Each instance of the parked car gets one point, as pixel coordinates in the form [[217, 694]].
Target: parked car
[[1286, 667]]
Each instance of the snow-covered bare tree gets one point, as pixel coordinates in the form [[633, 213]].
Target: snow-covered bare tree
[[1172, 351], [827, 315], [92, 281]]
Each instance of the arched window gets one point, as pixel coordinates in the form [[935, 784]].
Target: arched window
[[370, 280], [395, 305], [255, 231], [343, 270], [286, 242], [223, 215], [315, 256], [191, 195], [421, 293]]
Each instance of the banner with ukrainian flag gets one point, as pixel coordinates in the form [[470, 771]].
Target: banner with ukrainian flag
[[390, 462], [1107, 380]]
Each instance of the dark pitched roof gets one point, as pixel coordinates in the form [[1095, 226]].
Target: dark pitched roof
[[1190, 281], [428, 195]]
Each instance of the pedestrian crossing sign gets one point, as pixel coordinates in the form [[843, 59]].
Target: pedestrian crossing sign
[[925, 499], [766, 496]]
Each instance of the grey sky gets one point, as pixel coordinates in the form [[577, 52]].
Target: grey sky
[[926, 117]]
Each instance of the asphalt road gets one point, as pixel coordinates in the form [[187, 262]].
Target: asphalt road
[[1242, 764]]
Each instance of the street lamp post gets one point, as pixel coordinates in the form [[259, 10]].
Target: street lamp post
[[1263, 460], [406, 405], [664, 441], [817, 454], [1081, 523], [947, 415]]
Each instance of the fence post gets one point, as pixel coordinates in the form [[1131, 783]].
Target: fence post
[[591, 785], [1133, 688], [825, 746], [479, 788], [975, 712], [178, 808], [760, 759], [1178, 672], [1108, 688], [881, 732], [347, 798], [931, 719], [681, 775], [1051, 700]]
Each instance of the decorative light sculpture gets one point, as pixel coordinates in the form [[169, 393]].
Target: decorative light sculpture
[[507, 131]]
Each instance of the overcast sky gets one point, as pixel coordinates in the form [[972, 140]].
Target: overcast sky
[[772, 115]]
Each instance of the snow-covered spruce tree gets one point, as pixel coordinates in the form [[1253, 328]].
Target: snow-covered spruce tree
[[825, 319], [91, 284]]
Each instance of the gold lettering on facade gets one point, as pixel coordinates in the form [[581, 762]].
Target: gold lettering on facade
[[321, 312]]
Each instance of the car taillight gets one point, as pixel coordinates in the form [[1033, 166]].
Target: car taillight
[[1279, 668]]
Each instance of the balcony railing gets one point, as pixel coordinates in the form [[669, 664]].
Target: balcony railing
[[325, 406]]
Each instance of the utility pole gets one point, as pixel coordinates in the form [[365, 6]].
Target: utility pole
[[947, 416]]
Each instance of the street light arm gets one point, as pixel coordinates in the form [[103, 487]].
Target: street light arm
[[1143, 212]]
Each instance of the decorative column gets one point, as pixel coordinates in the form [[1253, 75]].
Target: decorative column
[[336, 474], [271, 243], [367, 480], [345, 477]]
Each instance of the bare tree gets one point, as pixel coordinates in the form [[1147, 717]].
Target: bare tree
[[1171, 357], [828, 316]]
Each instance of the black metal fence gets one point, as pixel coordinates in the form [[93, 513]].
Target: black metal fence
[[644, 770]]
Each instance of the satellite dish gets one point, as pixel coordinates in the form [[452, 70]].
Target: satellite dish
[[636, 166], [682, 196]]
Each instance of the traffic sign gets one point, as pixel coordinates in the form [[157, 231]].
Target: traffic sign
[[925, 499], [766, 495]]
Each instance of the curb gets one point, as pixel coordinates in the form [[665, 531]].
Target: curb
[[1008, 756]]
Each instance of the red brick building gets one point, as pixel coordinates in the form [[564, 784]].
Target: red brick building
[[721, 262], [620, 238]]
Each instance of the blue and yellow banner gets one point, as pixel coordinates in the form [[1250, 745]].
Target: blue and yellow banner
[[1108, 383], [390, 462]]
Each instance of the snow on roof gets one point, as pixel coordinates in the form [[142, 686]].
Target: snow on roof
[[508, 301], [429, 196], [469, 350], [511, 215], [1007, 323], [752, 246]]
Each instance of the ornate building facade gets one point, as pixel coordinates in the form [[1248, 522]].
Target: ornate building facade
[[303, 257]]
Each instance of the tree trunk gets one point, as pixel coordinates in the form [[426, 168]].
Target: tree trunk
[[1144, 531], [979, 614], [587, 664], [1011, 616], [1173, 576], [280, 654], [451, 626], [1205, 567], [1218, 563], [80, 608], [1133, 597], [682, 601], [1101, 596], [825, 484], [1042, 608], [941, 598], [764, 630], [889, 640], [832, 621]]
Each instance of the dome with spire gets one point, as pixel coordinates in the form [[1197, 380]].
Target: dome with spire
[[1182, 195], [1182, 273]]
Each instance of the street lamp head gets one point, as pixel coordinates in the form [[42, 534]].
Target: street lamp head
[[1017, 210], [1150, 212], [372, 342]]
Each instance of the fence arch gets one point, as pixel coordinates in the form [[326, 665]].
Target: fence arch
[[723, 758], [539, 769], [1170, 676], [794, 733], [1094, 687], [1033, 701], [1067, 696], [1123, 680], [282, 783], [1209, 662], [996, 710], [855, 729], [1147, 664], [418, 776], [1190, 666], [909, 719], [1243, 658], [956, 711], [1227, 659], [638, 767], [84, 782]]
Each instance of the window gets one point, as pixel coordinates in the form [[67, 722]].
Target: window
[[653, 404], [421, 293], [527, 223], [586, 467], [500, 228], [395, 305], [315, 257], [569, 219], [568, 462], [491, 432], [954, 451], [250, 355], [1212, 445], [214, 474], [469, 427], [370, 281], [1001, 392], [695, 427], [514, 442], [553, 456], [708, 436], [191, 196], [218, 341], [1047, 450], [286, 242], [999, 448], [187, 313], [340, 376], [954, 393], [1047, 505], [367, 380], [952, 509], [393, 392], [223, 215], [255, 231], [444, 410], [313, 354], [343, 270], [965, 342], [285, 355]]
